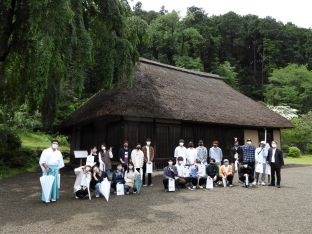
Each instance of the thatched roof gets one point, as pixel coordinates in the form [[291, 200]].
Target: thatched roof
[[165, 92]]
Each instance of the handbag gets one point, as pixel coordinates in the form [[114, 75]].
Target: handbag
[[120, 189], [171, 185], [209, 183]]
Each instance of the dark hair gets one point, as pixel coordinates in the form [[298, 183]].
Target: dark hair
[[212, 159], [55, 141], [94, 146], [215, 142], [130, 163], [181, 140], [148, 139], [180, 158]]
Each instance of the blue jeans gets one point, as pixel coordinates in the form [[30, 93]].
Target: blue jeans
[[97, 189]]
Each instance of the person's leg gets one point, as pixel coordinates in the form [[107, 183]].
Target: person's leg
[[230, 179], [257, 178], [149, 179], [144, 173], [278, 175], [97, 189], [263, 173], [194, 181], [165, 182], [273, 174]]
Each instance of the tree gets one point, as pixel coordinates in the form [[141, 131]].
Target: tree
[[227, 71], [292, 86]]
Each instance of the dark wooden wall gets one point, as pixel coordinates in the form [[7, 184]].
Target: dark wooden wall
[[165, 136]]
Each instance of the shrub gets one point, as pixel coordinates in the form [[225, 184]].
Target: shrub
[[294, 152], [9, 140], [309, 148], [19, 158]]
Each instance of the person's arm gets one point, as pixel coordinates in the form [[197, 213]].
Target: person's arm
[[221, 155], [152, 154], [121, 156], [282, 158], [110, 152], [176, 152], [43, 161]]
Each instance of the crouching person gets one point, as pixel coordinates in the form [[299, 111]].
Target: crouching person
[[118, 177], [246, 174], [197, 175], [82, 182], [212, 170], [97, 177], [170, 172], [183, 173], [130, 175], [226, 172]]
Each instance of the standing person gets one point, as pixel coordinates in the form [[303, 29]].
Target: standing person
[[93, 157], [137, 158], [248, 155], [216, 153], [124, 154], [169, 173], [276, 161], [180, 151], [202, 153], [261, 159], [226, 172], [51, 161], [236, 153], [149, 154], [191, 154], [106, 156]]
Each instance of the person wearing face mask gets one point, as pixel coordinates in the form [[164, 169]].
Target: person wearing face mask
[[130, 175], [169, 172], [261, 159], [183, 173], [191, 154], [246, 172], [249, 155], [137, 158], [149, 154], [202, 153], [236, 153], [212, 170], [106, 155], [124, 155], [226, 172], [276, 161], [216, 152], [118, 176], [180, 151], [93, 157], [51, 161]]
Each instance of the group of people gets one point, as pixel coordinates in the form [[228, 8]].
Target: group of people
[[193, 167]]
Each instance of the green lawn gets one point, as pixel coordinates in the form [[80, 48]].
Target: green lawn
[[38, 140], [303, 160]]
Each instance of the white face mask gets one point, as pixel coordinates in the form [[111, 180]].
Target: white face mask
[[148, 143], [181, 143], [103, 148], [248, 142], [54, 146], [274, 145]]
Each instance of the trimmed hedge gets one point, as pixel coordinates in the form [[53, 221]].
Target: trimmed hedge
[[294, 152]]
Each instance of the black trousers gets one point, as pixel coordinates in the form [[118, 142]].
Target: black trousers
[[275, 169], [149, 175], [230, 179], [200, 182], [165, 182]]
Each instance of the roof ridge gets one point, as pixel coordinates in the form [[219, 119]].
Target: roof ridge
[[203, 74]]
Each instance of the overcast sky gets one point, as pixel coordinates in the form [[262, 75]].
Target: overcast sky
[[298, 12]]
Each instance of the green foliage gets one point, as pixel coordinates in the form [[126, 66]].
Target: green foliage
[[309, 148], [301, 135], [227, 71], [294, 152], [9, 140], [291, 85], [188, 63]]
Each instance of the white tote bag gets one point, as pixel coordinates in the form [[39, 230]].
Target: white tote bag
[[120, 189], [171, 185], [268, 169], [259, 168], [246, 180], [209, 183], [149, 168], [59, 180]]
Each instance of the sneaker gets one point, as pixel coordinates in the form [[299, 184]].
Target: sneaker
[[53, 200], [201, 187], [151, 185], [254, 183], [263, 184], [190, 188], [144, 185], [231, 185], [97, 195], [194, 187], [76, 197], [127, 193], [134, 192]]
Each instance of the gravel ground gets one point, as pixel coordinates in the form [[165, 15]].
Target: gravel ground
[[222, 210]]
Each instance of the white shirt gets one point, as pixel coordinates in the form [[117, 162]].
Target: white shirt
[[180, 151], [148, 153], [180, 169], [51, 157], [273, 155], [137, 157], [202, 170], [191, 155]]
